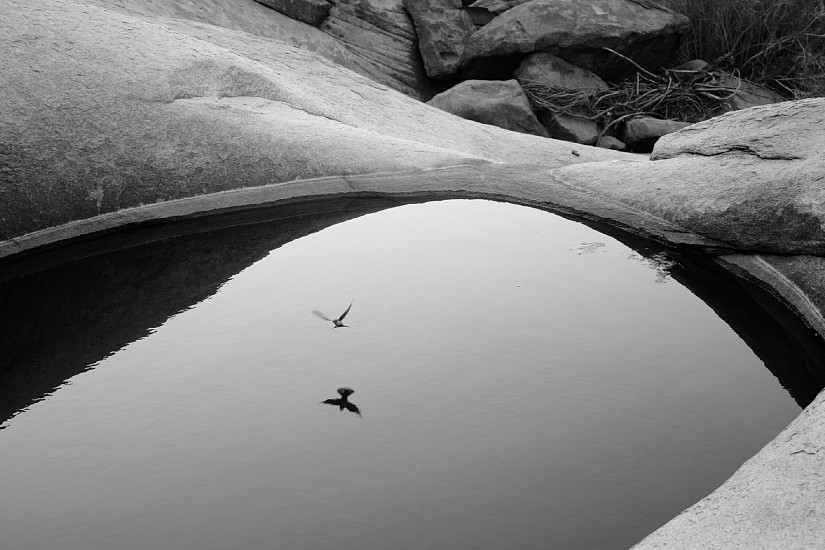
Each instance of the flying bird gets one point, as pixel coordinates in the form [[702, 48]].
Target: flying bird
[[337, 323], [343, 402]]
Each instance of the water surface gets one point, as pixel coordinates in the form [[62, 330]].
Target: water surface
[[522, 386]]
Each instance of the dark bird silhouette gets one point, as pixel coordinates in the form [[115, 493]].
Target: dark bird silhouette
[[337, 323], [343, 402]]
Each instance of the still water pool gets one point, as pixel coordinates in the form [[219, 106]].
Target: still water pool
[[524, 381]]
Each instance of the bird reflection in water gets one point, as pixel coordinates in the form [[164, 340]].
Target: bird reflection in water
[[343, 402], [337, 323]]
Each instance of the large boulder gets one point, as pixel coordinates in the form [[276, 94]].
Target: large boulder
[[382, 35], [546, 69], [552, 71], [372, 37], [241, 15], [308, 11], [499, 103], [568, 127], [118, 109], [610, 142], [641, 133], [442, 31], [749, 179], [577, 31]]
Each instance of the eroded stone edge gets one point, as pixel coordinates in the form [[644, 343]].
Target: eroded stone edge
[[764, 270], [529, 185]]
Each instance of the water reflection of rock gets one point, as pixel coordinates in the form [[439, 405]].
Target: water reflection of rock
[[64, 310], [659, 262], [58, 321], [790, 349]]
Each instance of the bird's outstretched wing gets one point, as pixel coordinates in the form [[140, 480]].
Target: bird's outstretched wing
[[341, 318], [321, 315], [352, 408], [335, 402]]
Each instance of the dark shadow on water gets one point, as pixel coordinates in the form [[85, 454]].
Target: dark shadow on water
[[64, 309], [790, 349], [67, 308]]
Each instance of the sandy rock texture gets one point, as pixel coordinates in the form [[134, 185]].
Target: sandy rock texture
[[381, 36], [501, 103], [752, 179], [576, 31], [245, 16], [375, 38], [442, 30], [549, 70], [104, 109]]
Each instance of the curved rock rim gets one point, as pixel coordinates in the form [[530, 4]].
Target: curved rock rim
[[527, 185]]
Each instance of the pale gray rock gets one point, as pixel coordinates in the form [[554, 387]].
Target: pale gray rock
[[750, 179], [242, 15], [499, 103], [118, 109], [641, 133], [550, 70], [382, 35], [311, 12], [577, 129], [577, 31], [442, 30], [375, 39], [612, 143]]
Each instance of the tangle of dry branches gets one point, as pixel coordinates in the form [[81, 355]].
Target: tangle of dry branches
[[684, 95]]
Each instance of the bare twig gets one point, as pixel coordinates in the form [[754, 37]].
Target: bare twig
[[641, 69], [688, 96]]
